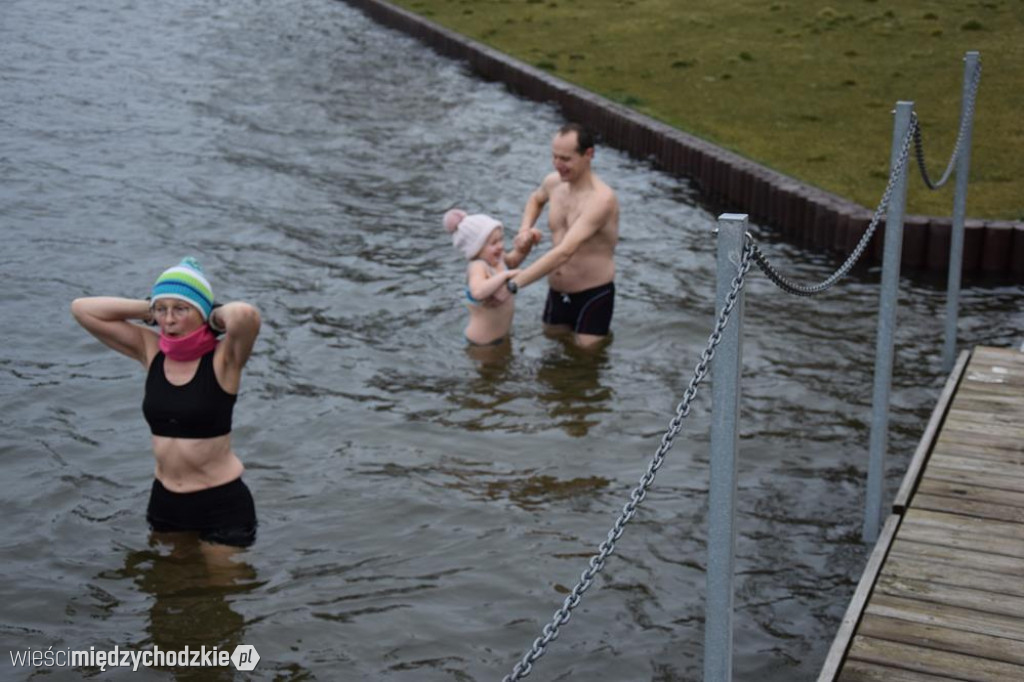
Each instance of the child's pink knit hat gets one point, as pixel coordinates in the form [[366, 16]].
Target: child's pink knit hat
[[469, 232]]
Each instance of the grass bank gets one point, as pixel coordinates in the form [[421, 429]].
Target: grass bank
[[806, 88]]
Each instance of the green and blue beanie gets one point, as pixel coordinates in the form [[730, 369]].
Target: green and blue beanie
[[185, 282]]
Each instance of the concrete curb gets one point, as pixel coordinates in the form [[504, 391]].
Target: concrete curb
[[804, 214]]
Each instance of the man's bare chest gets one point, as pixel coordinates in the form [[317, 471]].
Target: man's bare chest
[[565, 210]]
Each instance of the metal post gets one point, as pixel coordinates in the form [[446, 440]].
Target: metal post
[[886, 328], [956, 242], [725, 393]]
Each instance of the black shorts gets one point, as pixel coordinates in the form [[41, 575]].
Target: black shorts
[[225, 514], [587, 312]]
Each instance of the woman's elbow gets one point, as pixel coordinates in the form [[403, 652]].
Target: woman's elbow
[[249, 316], [79, 308]]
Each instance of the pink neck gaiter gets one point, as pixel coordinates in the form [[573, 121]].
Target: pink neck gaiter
[[188, 347]]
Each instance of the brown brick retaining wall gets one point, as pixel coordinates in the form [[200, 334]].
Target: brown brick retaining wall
[[804, 214]]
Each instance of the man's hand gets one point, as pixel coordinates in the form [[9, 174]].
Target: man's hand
[[525, 239]]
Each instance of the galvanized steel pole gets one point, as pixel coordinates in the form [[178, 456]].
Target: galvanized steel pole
[[956, 243], [886, 328], [725, 393]]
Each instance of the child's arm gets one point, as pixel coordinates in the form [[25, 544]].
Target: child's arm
[[482, 286], [521, 248]]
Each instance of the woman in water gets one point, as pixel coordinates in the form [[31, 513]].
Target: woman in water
[[191, 387]]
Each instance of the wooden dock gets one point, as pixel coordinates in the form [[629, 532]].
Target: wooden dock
[[942, 597]]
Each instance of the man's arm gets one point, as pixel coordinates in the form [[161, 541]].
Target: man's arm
[[531, 212], [586, 226], [481, 286]]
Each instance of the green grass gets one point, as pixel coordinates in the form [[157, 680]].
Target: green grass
[[804, 87]]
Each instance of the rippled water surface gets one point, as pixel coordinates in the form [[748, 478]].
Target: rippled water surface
[[422, 512]]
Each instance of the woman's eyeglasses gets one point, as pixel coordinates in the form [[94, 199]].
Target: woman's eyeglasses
[[175, 311]]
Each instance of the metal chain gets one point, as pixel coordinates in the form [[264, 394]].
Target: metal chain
[[967, 117], [791, 287], [597, 562]]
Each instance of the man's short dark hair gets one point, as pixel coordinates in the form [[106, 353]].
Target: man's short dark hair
[[584, 138]]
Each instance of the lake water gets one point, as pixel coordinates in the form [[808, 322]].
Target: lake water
[[422, 512]]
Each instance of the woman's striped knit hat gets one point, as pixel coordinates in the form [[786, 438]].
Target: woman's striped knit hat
[[185, 282]]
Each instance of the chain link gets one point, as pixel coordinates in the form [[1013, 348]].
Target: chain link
[[791, 287], [965, 120], [597, 562]]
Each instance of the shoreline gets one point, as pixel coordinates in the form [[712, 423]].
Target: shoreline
[[725, 180]]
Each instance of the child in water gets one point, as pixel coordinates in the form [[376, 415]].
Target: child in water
[[480, 238]]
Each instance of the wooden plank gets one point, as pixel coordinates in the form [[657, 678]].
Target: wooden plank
[[973, 508], [934, 662], [959, 596], [862, 671], [957, 558], [1004, 374], [968, 620], [995, 363], [901, 566], [962, 490], [991, 428], [972, 405], [1000, 374], [984, 439], [848, 626], [971, 437], [979, 465], [999, 354], [999, 364], [968, 399], [945, 639], [995, 366], [972, 386], [1009, 460], [954, 444], [994, 375], [995, 370], [980, 479], [927, 442], [1003, 414], [999, 351], [983, 379], [987, 388], [1012, 531], [962, 539]]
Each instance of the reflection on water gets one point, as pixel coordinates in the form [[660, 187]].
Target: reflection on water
[[192, 586], [492, 362], [571, 387], [534, 492]]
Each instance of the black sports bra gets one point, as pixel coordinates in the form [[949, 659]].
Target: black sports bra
[[198, 409]]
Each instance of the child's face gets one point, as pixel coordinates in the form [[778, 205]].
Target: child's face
[[494, 248]]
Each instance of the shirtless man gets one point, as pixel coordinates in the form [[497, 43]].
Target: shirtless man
[[584, 222]]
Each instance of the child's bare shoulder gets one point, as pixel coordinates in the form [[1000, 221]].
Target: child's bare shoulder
[[479, 267]]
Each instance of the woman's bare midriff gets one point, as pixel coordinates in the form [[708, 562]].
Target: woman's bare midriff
[[185, 465]]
